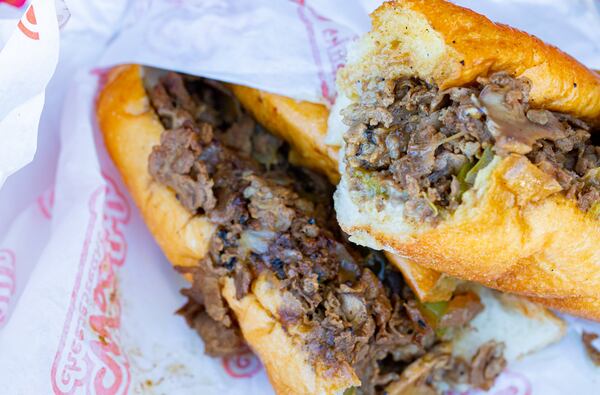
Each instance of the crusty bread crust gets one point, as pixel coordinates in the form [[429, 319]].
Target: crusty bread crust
[[427, 283], [513, 231], [131, 128], [583, 307], [545, 247], [451, 46]]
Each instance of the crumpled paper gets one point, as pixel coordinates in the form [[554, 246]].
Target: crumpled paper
[[27, 61], [86, 296]]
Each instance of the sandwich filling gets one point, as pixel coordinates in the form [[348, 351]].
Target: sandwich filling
[[343, 304], [410, 143]]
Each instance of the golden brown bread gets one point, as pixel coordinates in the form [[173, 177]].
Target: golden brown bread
[[513, 230], [428, 284], [583, 307], [131, 128], [543, 248]]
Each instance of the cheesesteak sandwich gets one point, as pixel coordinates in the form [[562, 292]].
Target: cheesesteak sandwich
[[472, 148], [268, 266]]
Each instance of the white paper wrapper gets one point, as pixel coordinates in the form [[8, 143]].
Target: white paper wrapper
[[27, 61], [86, 297]]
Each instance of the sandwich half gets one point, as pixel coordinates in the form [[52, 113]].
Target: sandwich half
[[268, 267], [471, 148]]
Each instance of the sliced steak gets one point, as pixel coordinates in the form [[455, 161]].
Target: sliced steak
[[428, 145]]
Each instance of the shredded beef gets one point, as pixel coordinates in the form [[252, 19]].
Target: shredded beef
[[174, 164], [439, 368], [276, 219], [207, 313], [219, 340], [487, 364], [408, 140]]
